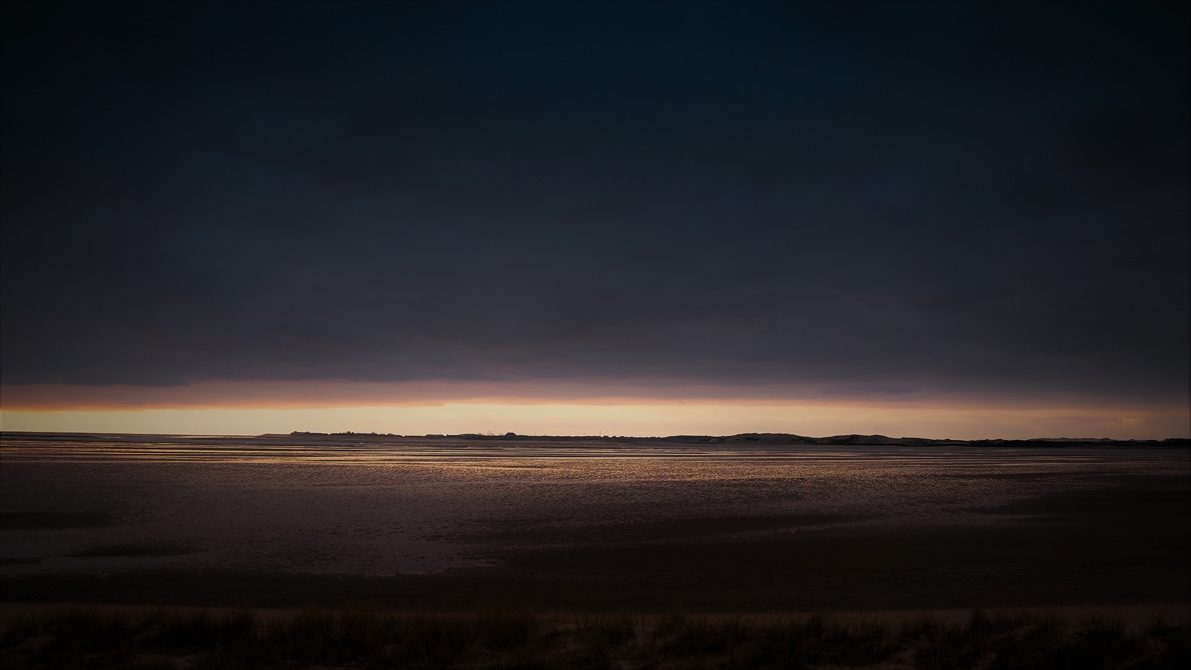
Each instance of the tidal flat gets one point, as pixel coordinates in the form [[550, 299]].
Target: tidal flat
[[599, 526]]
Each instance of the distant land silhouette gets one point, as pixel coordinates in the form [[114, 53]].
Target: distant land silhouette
[[740, 440], [777, 439]]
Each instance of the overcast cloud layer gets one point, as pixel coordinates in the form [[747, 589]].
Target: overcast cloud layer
[[889, 198]]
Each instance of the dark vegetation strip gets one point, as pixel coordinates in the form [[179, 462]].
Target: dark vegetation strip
[[85, 638]]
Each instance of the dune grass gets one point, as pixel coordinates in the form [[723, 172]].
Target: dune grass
[[83, 638]]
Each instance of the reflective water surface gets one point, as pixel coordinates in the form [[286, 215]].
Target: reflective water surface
[[402, 507]]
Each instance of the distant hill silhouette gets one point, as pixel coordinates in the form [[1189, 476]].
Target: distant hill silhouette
[[778, 439]]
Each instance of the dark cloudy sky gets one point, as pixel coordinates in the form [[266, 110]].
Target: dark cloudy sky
[[948, 198]]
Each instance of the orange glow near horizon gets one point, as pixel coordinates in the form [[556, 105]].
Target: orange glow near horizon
[[418, 408]]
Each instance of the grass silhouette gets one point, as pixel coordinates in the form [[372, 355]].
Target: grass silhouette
[[88, 638]]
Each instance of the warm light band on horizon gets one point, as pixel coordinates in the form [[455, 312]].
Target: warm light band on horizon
[[609, 416]]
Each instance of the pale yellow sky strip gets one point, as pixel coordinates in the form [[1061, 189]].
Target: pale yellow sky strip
[[638, 418]]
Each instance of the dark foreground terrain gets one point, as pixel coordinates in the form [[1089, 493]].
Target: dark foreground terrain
[[1105, 560], [368, 639], [398, 552]]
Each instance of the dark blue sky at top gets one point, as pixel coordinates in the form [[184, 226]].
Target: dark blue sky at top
[[879, 198]]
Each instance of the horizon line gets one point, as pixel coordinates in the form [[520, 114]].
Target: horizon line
[[511, 435]]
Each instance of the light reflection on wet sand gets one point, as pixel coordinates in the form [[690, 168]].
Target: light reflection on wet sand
[[402, 508]]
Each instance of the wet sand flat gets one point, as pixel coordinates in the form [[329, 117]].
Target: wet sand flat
[[433, 527]]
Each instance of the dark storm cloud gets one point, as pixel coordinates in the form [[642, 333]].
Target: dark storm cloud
[[949, 197]]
